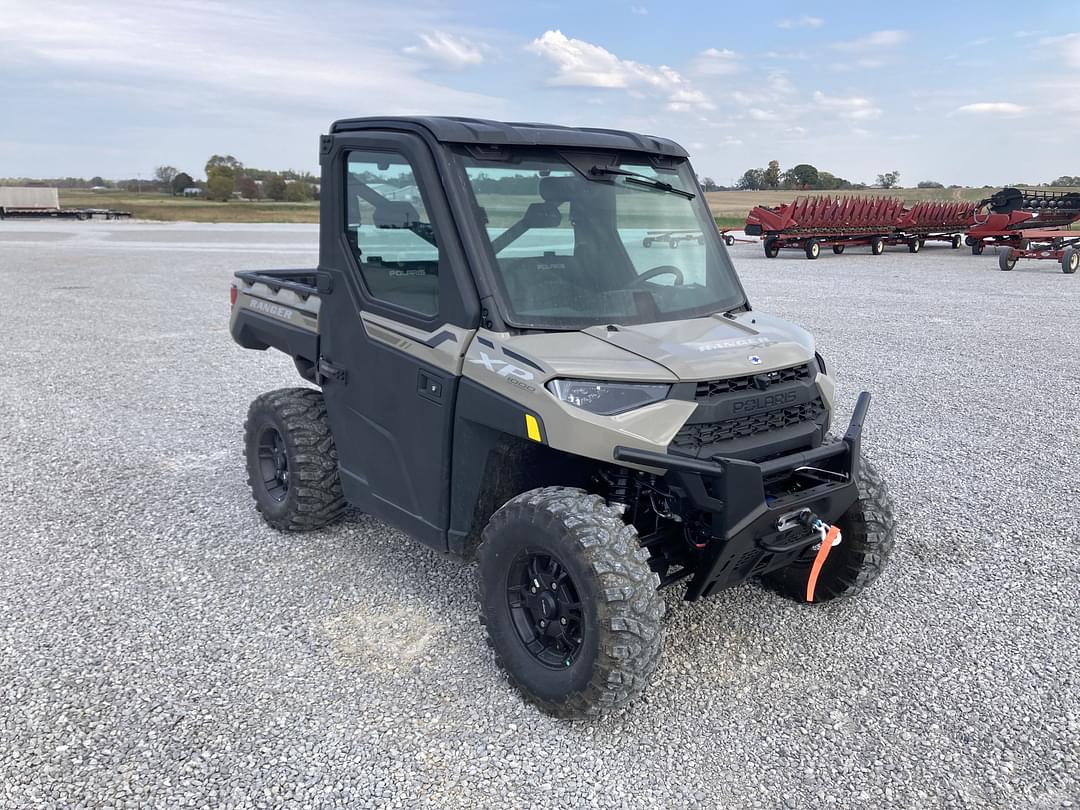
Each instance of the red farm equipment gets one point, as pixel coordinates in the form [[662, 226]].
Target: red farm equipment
[[812, 223], [1014, 217], [935, 221]]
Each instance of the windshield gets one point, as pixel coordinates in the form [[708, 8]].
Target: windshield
[[606, 242]]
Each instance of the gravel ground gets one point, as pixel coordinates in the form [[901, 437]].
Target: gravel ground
[[159, 645]]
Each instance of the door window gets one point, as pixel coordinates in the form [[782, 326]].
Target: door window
[[389, 231]]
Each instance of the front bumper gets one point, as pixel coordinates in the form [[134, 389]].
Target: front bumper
[[749, 505]]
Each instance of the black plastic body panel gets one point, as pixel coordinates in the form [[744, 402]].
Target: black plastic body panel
[[255, 331], [393, 434]]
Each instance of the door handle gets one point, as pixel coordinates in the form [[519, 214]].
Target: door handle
[[430, 386]]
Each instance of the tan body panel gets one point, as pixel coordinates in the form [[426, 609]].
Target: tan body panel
[[442, 347], [284, 305], [518, 367]]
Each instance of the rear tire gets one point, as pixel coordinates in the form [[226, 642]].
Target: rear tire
[[837, 249], [957, 240], [1006, 260], [1070, 260], [585, 555], [291, 460], [914, 246], [728, 240], [877, 246], [813, 248], [868, 530], [772, 247], [977, 248]]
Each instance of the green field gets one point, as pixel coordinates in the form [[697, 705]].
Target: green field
[[729, 207], [165, 208]]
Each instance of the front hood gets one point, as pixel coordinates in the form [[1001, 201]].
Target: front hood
[[714, 347]]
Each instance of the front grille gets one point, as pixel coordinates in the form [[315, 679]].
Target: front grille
[[710, 389], [693, 437]]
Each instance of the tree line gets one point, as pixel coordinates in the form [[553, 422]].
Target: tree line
[[804, 177], [227, 177]]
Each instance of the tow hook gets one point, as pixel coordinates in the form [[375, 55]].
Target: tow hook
[[800, 517]]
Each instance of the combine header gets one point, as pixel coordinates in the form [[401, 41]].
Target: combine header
[[1012, 212], [812, 223], [936, 221]]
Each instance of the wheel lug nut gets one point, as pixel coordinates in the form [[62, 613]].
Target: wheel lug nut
[[543, 624], [562, 620]]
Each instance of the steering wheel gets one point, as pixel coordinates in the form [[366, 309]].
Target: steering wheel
[[661, 270]]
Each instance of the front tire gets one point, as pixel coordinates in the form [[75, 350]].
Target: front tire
[[877, 246], [556, 554], [867, 529], [772, 247], [291, 460], [1006, 261]]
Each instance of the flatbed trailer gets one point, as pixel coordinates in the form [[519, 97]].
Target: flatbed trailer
[[80, 214], [1062, 246]]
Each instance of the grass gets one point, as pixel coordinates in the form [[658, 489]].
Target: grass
[[165, 208], [728, 207]]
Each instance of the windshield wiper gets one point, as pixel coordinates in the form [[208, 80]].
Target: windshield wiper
[[641, 180]]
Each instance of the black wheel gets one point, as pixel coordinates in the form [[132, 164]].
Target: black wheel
[[291, 459], [728, 240], [813, 248], [922, 243], [977, 248], [837, 249], [957, 240], [646, 242], [772, 247], [877, 246], [569, 601], [1070, 260], [914, 246], [674, 243], [867, 534], [1006, 260]]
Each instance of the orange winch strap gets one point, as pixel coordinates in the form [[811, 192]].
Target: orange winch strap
[[819, 561]]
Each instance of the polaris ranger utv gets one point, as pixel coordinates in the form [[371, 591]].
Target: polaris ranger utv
[[513, 370]]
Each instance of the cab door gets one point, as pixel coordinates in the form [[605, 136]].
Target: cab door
[[394, 330]]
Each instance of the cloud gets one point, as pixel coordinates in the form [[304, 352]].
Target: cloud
[[713, 62], [451, 51], [195, 59], [582, 64], [786, 54], [1066, 46], [639, 11], [804, 21], [1001, 109], [873, 41], [855, 108], [759, 114]]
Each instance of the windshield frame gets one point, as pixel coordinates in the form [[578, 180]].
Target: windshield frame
[[580, 160]]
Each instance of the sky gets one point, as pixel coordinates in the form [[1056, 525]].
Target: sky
[[967, 93]]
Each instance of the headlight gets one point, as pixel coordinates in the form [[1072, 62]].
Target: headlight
[[607, 398]]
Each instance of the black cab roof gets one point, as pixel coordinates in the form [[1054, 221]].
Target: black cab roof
[[482, 131]]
